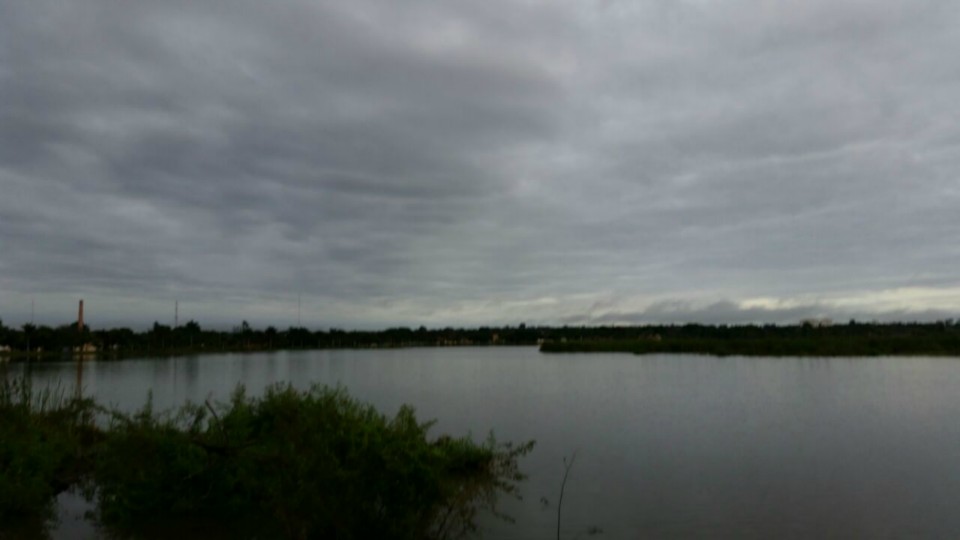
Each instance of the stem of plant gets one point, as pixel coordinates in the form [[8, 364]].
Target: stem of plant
[[566, 472]]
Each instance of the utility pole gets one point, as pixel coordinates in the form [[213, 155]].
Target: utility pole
[[33, 309], [80, 341], [176, 314], [299, 324]]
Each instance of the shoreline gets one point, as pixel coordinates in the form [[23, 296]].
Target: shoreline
[[770, 347], [19, 357], [818, 338]]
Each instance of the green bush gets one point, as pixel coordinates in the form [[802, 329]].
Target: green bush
[[42, 451], [290, 464], [314, 464]]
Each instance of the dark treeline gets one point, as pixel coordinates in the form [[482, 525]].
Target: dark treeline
[[853, 338], [808, 339], [46, 341]]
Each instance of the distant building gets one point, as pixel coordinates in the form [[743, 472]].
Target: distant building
[[86, 348], [817, 323]]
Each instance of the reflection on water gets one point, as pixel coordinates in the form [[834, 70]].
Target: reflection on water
[[666, 445]]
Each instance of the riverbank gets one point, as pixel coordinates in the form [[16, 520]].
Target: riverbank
[[812, 338], [122, 354], [814, 345]]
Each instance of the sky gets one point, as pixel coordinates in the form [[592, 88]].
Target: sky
[[385, 163]]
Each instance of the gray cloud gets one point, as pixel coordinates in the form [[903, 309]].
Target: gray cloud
[[476, 163]]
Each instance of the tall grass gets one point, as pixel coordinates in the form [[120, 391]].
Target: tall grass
[[289, 464], [45, 436]]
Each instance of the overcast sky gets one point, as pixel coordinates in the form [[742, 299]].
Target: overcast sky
[[470, 163]]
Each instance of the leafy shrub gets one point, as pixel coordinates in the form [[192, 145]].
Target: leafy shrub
[[314, 464], [41, 450]]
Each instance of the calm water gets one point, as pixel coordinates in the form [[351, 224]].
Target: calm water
[[667, 445]]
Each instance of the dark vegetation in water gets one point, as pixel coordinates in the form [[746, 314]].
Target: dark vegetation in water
[[45, 443], [289, 464], [852, 339]]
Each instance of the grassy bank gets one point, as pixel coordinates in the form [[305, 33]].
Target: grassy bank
[[290, 464]]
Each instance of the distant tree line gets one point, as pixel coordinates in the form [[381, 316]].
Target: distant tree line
[[941, 337], [49, 341], [807, 339]]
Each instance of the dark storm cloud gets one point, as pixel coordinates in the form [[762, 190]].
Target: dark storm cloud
[[479, 163]]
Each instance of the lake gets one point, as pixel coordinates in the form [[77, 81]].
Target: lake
[[678, 446]]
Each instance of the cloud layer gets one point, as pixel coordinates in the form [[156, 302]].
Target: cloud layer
[[478, 163]]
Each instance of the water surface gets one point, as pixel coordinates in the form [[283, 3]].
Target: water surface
[[667, 445]]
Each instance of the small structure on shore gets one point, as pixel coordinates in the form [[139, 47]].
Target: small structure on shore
[[86, 348]]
